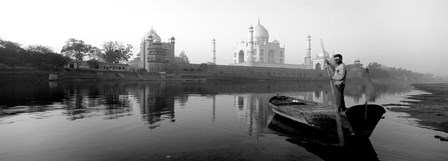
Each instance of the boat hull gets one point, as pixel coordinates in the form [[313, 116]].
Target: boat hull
[[358, 120]]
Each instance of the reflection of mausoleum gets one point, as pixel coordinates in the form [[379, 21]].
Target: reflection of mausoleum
[[253, 109], [156, 104]]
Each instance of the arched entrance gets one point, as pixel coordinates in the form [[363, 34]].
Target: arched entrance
[[241, 56], [318, 66], [271, 56]]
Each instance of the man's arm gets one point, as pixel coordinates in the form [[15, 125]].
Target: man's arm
[[329, 64]]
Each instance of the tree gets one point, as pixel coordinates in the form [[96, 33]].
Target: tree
[[377, 70], [36, 56], [47, 60], [77, 49], [9, 45], [114, 52], [39, 48], [96, 54]]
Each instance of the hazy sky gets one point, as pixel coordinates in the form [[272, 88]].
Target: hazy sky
[[411, 34]]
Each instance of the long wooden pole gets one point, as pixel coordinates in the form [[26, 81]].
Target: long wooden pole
[[337, 115], [331, 82], [367, 80]]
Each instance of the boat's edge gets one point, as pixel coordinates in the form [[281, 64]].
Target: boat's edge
[[287, 116], [342, 114]]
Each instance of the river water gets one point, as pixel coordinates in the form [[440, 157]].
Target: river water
[[53, 121]]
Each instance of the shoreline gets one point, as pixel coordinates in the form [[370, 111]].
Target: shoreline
[[430, 110], [80, 75]]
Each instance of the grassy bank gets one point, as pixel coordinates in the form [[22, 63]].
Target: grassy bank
[[430, 109]]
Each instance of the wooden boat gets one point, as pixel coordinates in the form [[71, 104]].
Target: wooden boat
[[358, 120]]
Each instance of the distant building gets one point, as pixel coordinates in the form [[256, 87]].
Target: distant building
[[259, 51], [155, 54], [254, 58], [182, 58], [112, 67], [97, 66], [263, 50], [357, 63], [356, 69], [158, 56], [77, 65], [319, 61]]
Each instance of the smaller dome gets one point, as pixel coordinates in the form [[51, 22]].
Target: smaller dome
[[154, 35], [275, 42], [321, 55]]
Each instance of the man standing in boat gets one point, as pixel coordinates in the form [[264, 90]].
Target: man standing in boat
[[338, 79]]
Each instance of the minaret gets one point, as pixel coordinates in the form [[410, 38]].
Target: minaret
[[171, 54], [143, 53], [214, 51], [308, 51], [251, 44]]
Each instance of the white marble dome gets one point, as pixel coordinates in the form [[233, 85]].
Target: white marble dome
[[155, 36], [260, 33]]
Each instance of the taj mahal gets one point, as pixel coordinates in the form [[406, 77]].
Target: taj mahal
[[257, 51], [261, 52]]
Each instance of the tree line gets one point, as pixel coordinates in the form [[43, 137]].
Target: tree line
[[12, 55], [377, 70], [111, 52]]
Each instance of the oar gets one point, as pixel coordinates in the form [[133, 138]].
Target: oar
[[331, 81], [338, 118], [367, 79]]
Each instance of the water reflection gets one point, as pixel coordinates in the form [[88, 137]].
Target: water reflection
[[156, 99], [227, 111], [156, 102], [78, 100], [88, 100]]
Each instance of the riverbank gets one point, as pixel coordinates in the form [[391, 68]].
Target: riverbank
[[430, 110], [99, 75], [88, 75]]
